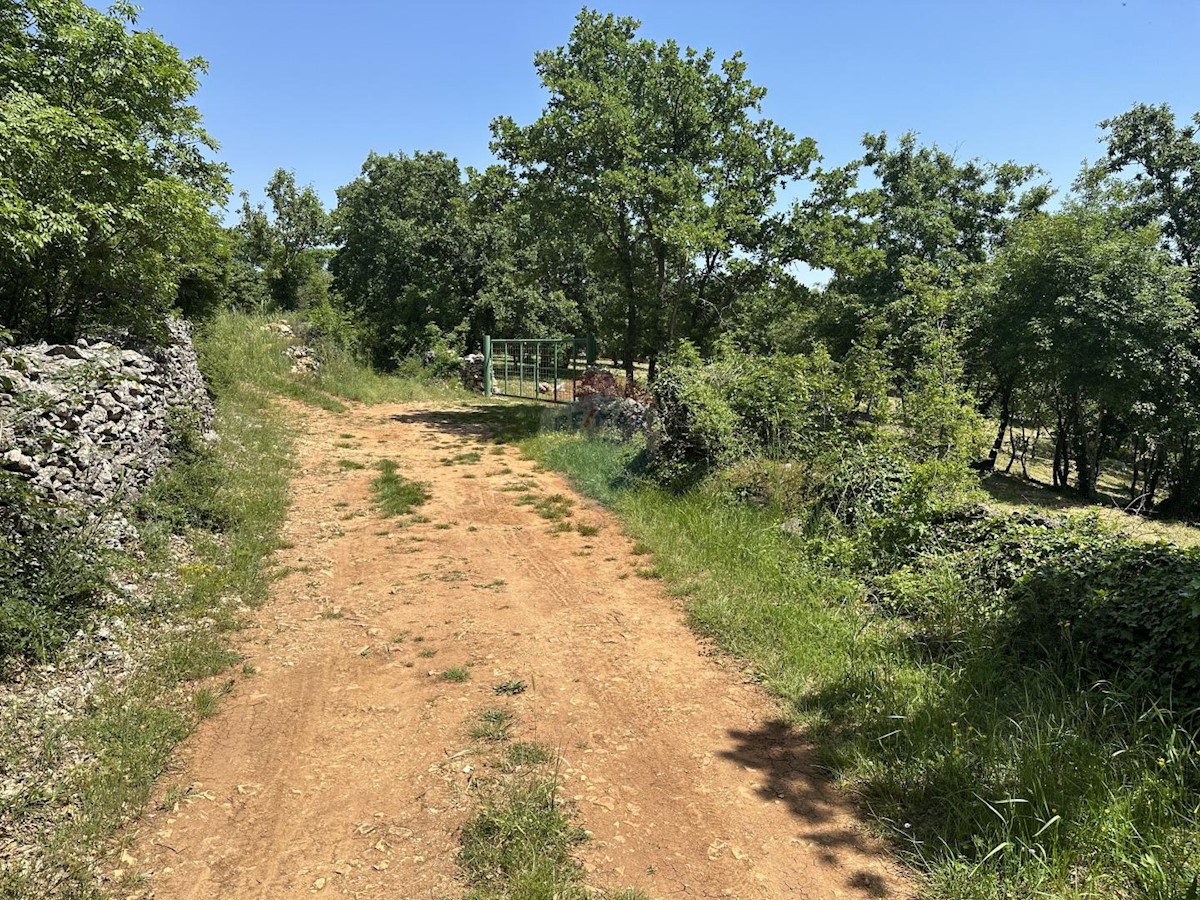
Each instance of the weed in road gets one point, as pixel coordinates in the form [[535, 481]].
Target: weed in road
[[587, 529], [462, 459], [509, 688], [554, 507], [494, 725], [427, 652], [525, 753], [456, 674], [350, 464], [395, 495], [519, 486], [522, 843]]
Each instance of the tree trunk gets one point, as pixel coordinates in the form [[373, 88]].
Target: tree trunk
[[1062, 459], [660, 291], [631, 310], [1006, 392]]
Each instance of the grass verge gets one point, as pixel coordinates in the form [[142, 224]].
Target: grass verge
[[996, 777], [208, 526]]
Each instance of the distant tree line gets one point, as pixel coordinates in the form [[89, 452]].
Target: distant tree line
[[640, 206]]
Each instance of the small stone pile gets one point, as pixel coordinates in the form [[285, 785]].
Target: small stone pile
[[603, 403], [473, 373], [624, 414], [304, 359], [91, 422], [597, 383]]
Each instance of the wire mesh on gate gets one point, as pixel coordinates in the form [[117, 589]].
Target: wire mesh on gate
[[546, 369]]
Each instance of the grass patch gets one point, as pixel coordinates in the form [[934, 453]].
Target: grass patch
[[344, 374], [493, 725], [456, 674], [588, 529], [555, 507], [350, 464], [526, 753], [522, 844], [394, 494], [509, 688], [519, 486], [302, 391], [462, 459]]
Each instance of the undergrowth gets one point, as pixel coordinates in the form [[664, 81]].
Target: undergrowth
[[980, 739]]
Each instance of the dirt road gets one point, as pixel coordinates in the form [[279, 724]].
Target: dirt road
[[338, 768]]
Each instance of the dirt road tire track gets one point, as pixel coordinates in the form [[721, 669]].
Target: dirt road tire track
[[335, 769]]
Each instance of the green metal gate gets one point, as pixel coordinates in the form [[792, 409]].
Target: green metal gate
[[545, 369]]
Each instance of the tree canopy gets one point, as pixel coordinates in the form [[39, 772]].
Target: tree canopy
[[106, 180], [659, 159]]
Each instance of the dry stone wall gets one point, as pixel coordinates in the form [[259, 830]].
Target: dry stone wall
[[91, 422]]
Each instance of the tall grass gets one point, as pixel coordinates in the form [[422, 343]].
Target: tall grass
[[996, 777], [345, 375]]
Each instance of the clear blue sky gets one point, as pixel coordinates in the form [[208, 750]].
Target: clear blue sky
[[314, 86]]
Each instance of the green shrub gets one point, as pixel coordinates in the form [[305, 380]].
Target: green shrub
[[698, 429], [714, 413], [332, 328], [51, 573], [1128, 610], [440, 359], [1069, 592]]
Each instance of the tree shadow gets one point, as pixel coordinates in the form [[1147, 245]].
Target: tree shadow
[[505, 423], [786, 759]]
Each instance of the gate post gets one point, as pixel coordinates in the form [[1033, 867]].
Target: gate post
[[591, 350], [487, 365]]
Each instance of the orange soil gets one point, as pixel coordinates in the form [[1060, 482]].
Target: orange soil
[[343, 767]]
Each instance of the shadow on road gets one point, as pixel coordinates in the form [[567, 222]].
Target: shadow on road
[[785, 759]]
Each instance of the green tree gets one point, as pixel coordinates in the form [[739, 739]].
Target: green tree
[[404, 260], [659, 157], [1163, 164], [530, 280], [106, 184], [905, 249], [1094, 316], [287, 246]]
